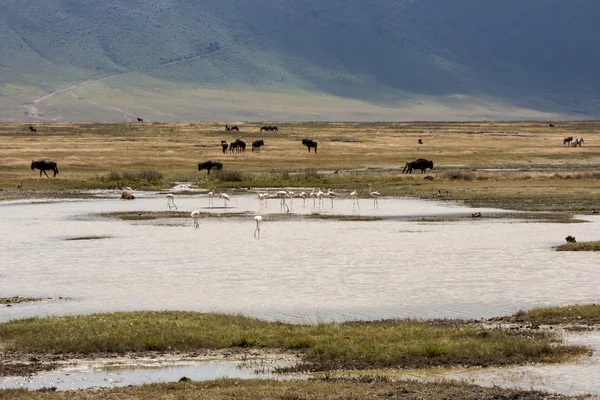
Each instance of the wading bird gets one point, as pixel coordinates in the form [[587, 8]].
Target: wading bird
[[354, 196], [332, 195], [320, 195], [170, 200], [303, 196], [225, 198], [258, 220], [195, 215], [282, 194], [375, 195], [210, 197]]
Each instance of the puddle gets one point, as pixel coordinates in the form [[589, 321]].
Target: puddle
[[111, 373]]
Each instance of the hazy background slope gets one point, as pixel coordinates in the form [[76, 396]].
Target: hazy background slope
[[299, 59]]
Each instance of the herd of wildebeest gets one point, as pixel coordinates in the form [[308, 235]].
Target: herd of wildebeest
[[239, 146]]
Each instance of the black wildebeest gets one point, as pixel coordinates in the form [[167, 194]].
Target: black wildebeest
[[32, 129], [232, 128], [268, 128], [257, 144], [310, 143], [420, 141], [239, 145], [551, 125], [570, 239], [419, 163], [224, 145], [567, 140], [44, 166], [140, 120], [208, 165]]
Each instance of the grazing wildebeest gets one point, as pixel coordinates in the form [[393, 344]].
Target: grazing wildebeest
[[240, 145], [233, 146], [310, 143], [140, 120], [224, 145], [32, 129], [208, 165], [419, 163], [257, 144], [268, 128], [551, 125], [567, 140], [420, 141], [570, 239], [44, 166]]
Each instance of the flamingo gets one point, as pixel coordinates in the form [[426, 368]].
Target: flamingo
[[283, 194], [258, 220], [332, 195], [354, 195], [375, 196], [196, 214], [313, 195], [211, 194], [170, 200], [320, 196], [225, 198], [262, 197], [303, 196], [291, 196]]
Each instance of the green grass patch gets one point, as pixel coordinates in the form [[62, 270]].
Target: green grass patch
[[580, 246], [587, 314], [326, 346]]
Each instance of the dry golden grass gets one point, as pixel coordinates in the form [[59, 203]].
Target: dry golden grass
[[90, 154]]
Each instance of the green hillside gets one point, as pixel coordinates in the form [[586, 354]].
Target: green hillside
[[390, 59]]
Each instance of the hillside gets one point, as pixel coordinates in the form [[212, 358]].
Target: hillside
[[286, 59]]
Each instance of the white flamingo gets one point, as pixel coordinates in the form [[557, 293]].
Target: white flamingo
[[354, 195], [375, 196], [282, 194], [225, 198], [291, 195], [170, 200], [258, 220], [332, 195], [303, 196], [211, 194], [195, 215]]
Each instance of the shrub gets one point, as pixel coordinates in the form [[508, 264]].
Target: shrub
[[458, 175], [230, 175]]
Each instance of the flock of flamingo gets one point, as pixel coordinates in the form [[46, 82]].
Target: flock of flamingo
[[315, 195]]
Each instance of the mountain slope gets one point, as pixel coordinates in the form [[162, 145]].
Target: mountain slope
[[538, 55]]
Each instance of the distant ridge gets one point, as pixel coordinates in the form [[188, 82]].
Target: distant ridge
[[171, 60]]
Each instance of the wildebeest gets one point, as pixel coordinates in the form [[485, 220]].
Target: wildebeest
[[232, 128], [238, 146], [257, 144], [268, 128], [140, 120], [551, 125], [32, 129], [44, 166], [224, 145], [208, 165], [420, 141], [419, 163], [567, 140], [570, 239], [310, 143]]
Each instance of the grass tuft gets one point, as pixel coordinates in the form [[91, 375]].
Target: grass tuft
[[579, 246]]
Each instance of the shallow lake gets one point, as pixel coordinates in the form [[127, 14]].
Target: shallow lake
[[299, 270]]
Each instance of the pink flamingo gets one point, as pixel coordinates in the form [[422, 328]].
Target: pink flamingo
[[375, 196], [354, 196], [170, 200], [303, 196], [332, 195], [258, 220], [283, 194], [195, 215], [211, 194], [225, 198]]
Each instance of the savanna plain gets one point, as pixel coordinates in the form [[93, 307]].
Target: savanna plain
[[521, 166]]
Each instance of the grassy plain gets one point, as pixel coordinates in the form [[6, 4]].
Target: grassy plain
[[516, 165]]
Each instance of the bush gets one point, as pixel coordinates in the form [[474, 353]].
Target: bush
[[148, 175], [230, 175], [458, 175]]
